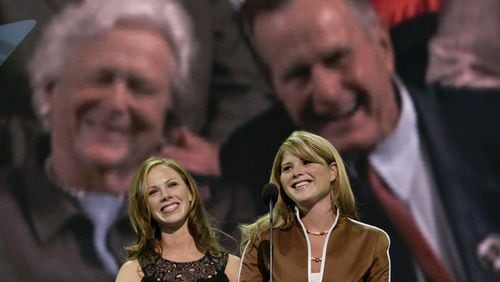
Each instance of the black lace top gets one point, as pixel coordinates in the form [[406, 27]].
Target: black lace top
[[208, 268]]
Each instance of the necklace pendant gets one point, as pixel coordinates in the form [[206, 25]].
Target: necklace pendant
[[316, 259]]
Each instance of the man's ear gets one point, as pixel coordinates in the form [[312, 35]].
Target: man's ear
[[383, 40], [49, 87]]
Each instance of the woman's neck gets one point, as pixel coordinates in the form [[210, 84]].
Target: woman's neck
[[179, 245], [318, 218]]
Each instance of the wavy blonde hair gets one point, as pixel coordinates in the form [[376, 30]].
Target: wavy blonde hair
[[147, 230], [314, 148]]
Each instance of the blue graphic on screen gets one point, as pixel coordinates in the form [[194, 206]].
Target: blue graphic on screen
[[11, 35]]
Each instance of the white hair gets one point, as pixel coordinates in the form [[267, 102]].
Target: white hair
[[93, 17]]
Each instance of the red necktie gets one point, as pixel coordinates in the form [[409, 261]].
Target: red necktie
[[399, 215]]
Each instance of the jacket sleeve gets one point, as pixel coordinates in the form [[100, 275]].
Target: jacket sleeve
[[249, 268], [381, 267]]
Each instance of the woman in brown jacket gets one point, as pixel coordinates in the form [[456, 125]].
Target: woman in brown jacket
[[316, 236]]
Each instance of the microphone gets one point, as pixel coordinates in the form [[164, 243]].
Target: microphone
[[270, 196]]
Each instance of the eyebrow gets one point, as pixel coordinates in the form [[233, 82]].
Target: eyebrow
[[335, 54], [332, 55], [166, 181]]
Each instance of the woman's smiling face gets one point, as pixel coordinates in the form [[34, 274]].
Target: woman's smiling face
[[306, 182], [169, 198]]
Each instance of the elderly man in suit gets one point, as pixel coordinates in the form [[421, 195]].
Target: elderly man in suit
[[331, 65]]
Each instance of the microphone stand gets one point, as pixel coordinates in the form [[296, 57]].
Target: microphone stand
[[270, 239], [269, 197]]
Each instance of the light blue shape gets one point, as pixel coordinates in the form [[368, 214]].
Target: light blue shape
[[11, 36]]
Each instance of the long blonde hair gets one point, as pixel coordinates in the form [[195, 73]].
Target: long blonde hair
[[147, 229], [314, 148]]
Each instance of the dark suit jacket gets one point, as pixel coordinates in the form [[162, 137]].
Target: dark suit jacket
[[468, 191], [473, 114], [45, 236]]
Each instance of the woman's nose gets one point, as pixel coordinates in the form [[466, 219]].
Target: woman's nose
[[297, 171], [164, 196]]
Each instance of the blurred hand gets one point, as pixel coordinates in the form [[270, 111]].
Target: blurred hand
[[489, 252], [195, 153]]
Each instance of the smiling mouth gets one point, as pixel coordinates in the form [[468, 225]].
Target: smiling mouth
[[300, 184], [106, 126], [336, 116], [169, 208], [350, 111]]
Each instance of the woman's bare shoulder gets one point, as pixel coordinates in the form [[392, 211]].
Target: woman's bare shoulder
[[130, 271]]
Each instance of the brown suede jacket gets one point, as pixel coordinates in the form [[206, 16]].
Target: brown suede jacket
[[355, 252]]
